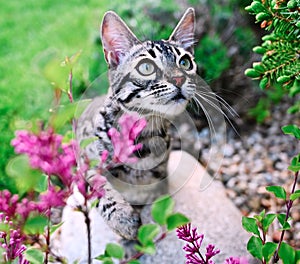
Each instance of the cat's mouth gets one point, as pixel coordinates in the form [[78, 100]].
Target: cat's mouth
[[179, 97]]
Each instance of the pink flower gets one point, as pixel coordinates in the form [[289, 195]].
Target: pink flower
[[47, 153], [92, 190], [8, 203], [193, 246], [53, 197], [236, 260], [211, 251], [25, 207], [123, 142], [12, 243]]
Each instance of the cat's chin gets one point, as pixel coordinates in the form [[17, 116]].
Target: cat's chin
[[170, 110]]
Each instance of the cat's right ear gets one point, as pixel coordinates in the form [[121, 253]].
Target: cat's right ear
[[116, 37]]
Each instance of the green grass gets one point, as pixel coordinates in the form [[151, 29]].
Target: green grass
[[32, 32]]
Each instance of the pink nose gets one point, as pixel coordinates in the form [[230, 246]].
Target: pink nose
[[178, 80]]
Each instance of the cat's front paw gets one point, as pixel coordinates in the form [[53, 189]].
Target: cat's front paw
[[128, 225], [121, 218]]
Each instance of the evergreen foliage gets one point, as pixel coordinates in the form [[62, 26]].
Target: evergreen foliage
[[280, 50]]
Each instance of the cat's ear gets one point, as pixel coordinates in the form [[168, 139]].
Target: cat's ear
[[116, 37], [184, 32]]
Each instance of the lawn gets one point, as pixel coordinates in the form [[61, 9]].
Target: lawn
[[32, 33]]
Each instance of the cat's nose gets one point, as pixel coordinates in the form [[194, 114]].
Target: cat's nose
[[178, 80]]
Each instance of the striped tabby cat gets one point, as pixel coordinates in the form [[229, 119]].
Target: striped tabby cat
[[155, 79]]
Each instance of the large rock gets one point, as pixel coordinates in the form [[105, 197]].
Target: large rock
[[196, 194]]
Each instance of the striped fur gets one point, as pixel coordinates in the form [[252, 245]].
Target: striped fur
[[155, 79]]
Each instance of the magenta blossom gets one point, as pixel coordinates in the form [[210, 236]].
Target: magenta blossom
[[12, 242], [25, 207], [47, 153], [193, 246], [53, 197], [92, 190], [123, 142], [8, 203], [236, 260]]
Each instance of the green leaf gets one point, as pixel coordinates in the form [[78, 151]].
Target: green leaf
[[42, 184], [115, 250], [281, 218], [249, 224], [254, 247], [262, 16], [257, 7], [295, 164], [53, 228], [147, 233], [287, 253], [268, 250], [252, 73], [105, 260], [297, 256], [67, 112], [147, 249], [291, 130], [134, 261], [175, 220], [34, 256], [292, 4], [258, 67], [264, 83], [295, 195], [25, 177], [267, 221], [285, 225], [259, 50], [35, 224], [283, 79], [162, 208], [278, 191]]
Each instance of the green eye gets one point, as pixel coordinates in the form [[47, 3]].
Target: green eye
[[146, 67], [185, 63]]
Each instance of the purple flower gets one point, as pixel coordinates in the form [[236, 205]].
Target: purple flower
[[236, 260], [53, 197], [8, 203], [194, 240], [123, 142], [211, 251], [12, 243], [47, 153], [92, 190], [25, 207]]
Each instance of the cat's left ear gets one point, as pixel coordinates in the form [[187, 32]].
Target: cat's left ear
[[117, 38], [184, 32]]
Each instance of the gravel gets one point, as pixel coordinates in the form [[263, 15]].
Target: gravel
[[256, 158]]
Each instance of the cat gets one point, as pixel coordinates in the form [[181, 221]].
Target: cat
[[157, 79]]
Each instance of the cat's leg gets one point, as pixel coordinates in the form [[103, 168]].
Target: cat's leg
[[119, 214]]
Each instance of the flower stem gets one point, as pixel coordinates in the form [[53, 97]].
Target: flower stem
[[289, 205], [88, 228], [48, 238]]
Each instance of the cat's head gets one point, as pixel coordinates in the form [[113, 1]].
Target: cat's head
[[150, 76]]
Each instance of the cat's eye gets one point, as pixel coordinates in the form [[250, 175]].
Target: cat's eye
[[146, 67], [185, 63]]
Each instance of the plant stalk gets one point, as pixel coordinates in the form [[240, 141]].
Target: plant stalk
[[289, 205], [88, 228]]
